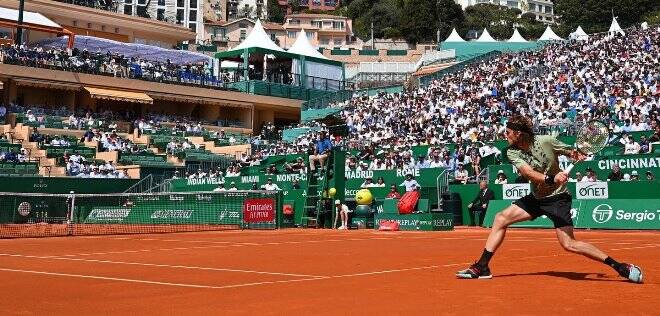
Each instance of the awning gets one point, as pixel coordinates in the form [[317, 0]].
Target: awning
[[38, 83], [117, 95], [200, 100]]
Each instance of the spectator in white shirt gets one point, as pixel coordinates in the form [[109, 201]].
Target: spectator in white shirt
[[270, 186], [461, 175], [590, 176], [631, 147], [501, 178], [368, 183], [410, 183]]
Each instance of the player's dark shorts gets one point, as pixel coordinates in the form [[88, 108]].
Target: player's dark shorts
[[557, 208]]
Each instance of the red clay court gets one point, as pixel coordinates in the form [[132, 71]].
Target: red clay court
[[322, 272]]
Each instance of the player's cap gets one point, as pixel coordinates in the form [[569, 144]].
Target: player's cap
[[337, 202], [634, 173], [500, 171], [649, 172], [270, 179]]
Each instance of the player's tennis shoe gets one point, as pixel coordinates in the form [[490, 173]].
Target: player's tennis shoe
[[631, 272], [475, 271]]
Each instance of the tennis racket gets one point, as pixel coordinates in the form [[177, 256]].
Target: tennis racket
[[591, 138]]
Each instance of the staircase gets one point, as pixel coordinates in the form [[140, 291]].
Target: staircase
[[20, 134]]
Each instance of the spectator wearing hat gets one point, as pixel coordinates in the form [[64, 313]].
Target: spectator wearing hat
[[615, 174], [341, 211], [410, 183], [295, 184], [394, 193], [501, 177], [232, 186], [634, 176], [461, 175], [650, 176], [270, 186]]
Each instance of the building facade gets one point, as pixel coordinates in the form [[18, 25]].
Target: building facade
[[230, 34], [323, 30], [252, 9], [542, 9], [83, 20]]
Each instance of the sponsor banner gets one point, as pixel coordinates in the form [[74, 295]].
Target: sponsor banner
[[426, 221], [621, 214], [591, 190], [515, 191], [258, 210], [597, 214], [155, 213]]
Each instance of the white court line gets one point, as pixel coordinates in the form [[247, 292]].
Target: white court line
[[273, 282], [640, 247], [159, 265], [285, 243], [112, 279]]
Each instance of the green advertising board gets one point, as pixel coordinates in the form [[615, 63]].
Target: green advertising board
[[628, 163], [284, 181], [424, 221], [596, 214], [64, 185]]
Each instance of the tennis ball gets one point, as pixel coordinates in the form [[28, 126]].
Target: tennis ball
[[364, 197], [332, 192]]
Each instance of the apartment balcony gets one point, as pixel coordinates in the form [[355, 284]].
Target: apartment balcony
[[219, 38]]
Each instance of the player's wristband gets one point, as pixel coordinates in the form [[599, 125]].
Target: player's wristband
[[549, 179]]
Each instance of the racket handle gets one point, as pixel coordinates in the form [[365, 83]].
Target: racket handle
[[569, 168]]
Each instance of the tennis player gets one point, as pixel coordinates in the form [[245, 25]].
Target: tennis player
[[536, 159]]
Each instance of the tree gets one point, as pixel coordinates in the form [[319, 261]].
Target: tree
[[449, 15], [275, 13], [498, 19], [596, 15], [418, 23]]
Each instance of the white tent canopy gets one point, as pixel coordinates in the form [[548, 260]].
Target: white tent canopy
[[615, 28], [28, 17], [549, 35], [302, 46], [516, 37], [258, 38], [454, 37], [485, 37], [579, 34]]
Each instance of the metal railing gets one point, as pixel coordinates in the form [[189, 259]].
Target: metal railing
[[442, 186]]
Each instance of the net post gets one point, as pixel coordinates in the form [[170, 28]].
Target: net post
[[69, 215]]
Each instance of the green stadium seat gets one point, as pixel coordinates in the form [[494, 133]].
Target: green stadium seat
[[423, 206], [391, 206]]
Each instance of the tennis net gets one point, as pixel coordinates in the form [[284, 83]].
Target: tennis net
[[43, 215]]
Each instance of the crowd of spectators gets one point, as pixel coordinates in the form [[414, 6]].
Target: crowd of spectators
[[609, 78], [108, 63]]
